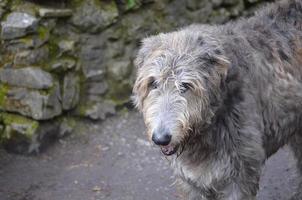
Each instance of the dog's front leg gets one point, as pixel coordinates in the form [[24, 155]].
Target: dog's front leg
[[190, 192], [233, 192]]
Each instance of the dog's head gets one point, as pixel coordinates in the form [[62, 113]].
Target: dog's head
[[179, 77]]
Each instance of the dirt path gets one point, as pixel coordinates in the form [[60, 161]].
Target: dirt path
[[112, 161]]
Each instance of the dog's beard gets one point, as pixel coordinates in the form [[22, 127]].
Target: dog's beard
[[182, 146], [177, 149]]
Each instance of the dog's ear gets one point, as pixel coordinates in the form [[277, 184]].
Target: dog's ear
[[223, 65], [217, 59], [147, 46], [139, 59], [142, 53]]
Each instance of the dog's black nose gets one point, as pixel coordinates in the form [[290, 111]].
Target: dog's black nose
[[161, 138]]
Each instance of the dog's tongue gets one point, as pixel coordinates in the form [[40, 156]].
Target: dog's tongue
[[168, 150]]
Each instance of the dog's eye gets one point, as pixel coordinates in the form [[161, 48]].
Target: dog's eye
[[185, 87], [152, 84]]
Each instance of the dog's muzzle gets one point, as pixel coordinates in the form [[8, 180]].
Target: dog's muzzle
[[162, 137], [169, 149]]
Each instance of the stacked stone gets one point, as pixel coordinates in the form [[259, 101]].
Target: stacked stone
[[38, 79], [65, 60]]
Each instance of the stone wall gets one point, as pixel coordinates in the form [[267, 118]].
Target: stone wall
[[64, 60]]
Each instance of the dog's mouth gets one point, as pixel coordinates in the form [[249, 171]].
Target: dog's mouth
[[169, 149]]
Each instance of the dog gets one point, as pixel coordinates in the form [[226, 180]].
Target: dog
[[219, 100]]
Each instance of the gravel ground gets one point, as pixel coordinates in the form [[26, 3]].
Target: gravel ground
[[113, 160]]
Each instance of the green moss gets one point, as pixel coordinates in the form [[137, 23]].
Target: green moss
[[51, 90], [6, 57], [123, 111], [70, 121], [53, 49], [83, 107], [43, 32], [52, 42], [11, 121], [14, 3], [3, 92], [132, 4], [27, 41], [119, 92], [23, 6], [110, 7], [76, 3]]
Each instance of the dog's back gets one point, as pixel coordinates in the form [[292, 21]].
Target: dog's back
[[267, 50]]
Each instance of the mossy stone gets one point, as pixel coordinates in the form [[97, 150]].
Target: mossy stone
[[67, 125], [3, 92], [93, 16], [17, 124], [119, 92]]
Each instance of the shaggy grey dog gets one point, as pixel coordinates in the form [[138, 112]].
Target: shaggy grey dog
[[219, 100]]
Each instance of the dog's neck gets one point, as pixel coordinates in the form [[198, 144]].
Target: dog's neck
[[203, 155]]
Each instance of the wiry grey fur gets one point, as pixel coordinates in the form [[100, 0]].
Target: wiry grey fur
[[243, 104]]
